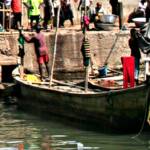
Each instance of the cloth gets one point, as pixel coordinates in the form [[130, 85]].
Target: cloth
[[135, 50], [43, 59], [99, 10], [86, 3], [7, 3], [56, 3], [128, 71], [48, 8], [34, 4], [86, 20], [16, 6]]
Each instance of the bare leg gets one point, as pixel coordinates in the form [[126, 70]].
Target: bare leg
[[21, 71], [48, 69], [41, 71]]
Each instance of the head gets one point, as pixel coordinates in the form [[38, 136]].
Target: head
[[98, 4], [143, 1], [38, 28]]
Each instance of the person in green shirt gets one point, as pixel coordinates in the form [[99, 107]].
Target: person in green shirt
[[33, 7]]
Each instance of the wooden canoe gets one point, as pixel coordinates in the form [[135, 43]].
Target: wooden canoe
[[120, 110]]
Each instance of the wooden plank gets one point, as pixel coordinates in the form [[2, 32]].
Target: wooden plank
[[5, 10]]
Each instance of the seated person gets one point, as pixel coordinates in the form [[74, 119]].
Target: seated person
[[99, 10]]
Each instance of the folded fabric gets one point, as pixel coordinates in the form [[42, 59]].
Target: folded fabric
[[128, 71]]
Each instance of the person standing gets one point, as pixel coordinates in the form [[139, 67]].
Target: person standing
[[7, 14], [147, 11], [115, 6], [85, 3], [17, 12], [67, 11], [33, 7], [85, 12], [41, 50], [21, 53], [48, 12], [56, 4], [135, 52]]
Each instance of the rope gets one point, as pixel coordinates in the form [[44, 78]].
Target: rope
[[55, 45], [112, 48]]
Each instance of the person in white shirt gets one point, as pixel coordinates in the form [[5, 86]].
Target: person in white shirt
[[99, 8]]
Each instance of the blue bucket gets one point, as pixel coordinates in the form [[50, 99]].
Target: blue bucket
[[102, 71]]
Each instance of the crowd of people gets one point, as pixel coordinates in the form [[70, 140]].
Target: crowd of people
[[50, 8]]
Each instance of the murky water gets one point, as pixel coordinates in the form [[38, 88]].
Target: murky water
[[18, 129]]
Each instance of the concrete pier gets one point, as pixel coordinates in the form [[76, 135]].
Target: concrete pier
[[68, 55]]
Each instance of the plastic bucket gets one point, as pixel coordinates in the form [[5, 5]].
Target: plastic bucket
[[102, 71]]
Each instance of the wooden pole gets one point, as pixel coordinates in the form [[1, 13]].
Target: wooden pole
[[86, 68], [86, 78], [3, 16], [55, 45], [22, 13], [120, 15]]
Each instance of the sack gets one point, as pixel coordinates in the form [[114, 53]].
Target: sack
[[143, 43]]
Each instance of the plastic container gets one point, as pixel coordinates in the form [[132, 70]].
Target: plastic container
[[108, 18], [102, 71], [139, 22]]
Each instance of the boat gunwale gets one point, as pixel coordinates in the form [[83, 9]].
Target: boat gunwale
[[98, 93]]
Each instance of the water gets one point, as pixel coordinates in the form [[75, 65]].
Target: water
[[19, 129]]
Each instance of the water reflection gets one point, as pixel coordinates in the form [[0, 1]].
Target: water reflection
[[21, 131]]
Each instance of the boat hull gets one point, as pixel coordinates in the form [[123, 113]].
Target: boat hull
[[115, 110]]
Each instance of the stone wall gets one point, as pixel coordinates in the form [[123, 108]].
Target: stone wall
[[68, 54]]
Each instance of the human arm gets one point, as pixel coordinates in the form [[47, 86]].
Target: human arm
[[28, 38], [41, 3], [27, 5], [79, 4]]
